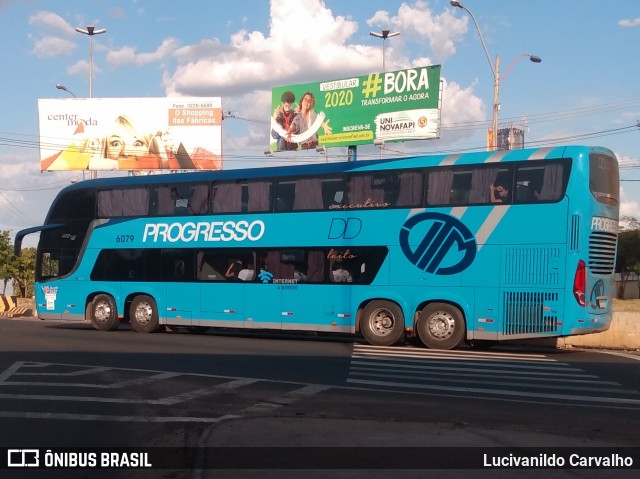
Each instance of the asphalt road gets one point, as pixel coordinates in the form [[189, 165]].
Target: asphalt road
[[65, 385]]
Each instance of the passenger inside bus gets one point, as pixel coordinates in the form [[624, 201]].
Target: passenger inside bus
[[499, 194]]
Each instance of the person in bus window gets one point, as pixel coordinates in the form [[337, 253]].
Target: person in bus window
[[234, 269], [499, 194]]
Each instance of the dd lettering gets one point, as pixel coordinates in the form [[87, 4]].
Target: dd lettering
[[345, 229]]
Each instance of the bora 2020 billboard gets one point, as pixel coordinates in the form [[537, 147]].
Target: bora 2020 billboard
[[391, 106]]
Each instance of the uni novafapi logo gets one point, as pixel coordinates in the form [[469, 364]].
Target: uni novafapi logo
[[437, 243]]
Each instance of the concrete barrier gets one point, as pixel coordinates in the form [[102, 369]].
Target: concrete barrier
[[624, 333], [7, 302]]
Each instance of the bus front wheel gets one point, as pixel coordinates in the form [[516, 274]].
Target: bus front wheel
[[104, 315], [382, 323], [143, 314], [441, 326]]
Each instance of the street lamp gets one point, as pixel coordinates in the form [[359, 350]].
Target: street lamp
[[495, 71], [60, 86], [91, 31], [384, 35]]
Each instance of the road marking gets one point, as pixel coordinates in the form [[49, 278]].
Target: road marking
[[502, 392], [10, 371], [286, 399], [17, 369], [487, 373], [101, 417], [622, 355], [218, 388]]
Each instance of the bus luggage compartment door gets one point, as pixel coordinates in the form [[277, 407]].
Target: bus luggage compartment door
[[180, 300], [221, 304]]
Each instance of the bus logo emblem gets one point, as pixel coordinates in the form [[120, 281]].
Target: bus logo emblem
[[437, 243]]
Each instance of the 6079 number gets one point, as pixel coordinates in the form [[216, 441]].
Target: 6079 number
[[124, 239]]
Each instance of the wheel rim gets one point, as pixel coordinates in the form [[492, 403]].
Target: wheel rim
[[102, 311], [441, 325], [381, 322], [143, 313]]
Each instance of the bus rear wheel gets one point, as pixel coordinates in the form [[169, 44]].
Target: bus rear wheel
[[382, 323], [143, 314], [103, 313], [440, 326]]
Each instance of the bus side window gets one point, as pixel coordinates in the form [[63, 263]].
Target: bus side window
[[206, 269], [178, 265]]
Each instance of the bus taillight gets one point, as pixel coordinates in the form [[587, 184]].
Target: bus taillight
[[579, 283]]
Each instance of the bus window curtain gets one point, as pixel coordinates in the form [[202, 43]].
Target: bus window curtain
[[109, 203], [135, 202], [551, 183], [360, 190], [440, 183], [410, 189], [308, 194], [166, 204], [258, 196], [226, 198], [481, 180], [199, 199], [315, 266]]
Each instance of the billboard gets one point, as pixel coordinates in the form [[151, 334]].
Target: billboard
[[392, 106], [179, 133]]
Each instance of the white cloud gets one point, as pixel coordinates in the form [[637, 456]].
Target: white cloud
[[630, 22], [51, 21], [128, 55], [52, 47], [419, 21], [306, 42]]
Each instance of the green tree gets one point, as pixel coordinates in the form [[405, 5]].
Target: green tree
[[24, 275], [7, 259], [628, 258]]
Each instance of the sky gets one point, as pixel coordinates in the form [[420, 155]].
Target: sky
[[585, 90]]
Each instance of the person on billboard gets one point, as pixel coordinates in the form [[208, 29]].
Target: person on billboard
[[125, 148], [307, 122], [283, 116]]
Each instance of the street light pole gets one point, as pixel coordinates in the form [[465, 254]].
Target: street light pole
[[91, 31], [60, 86], [496, 73], [384, 35]]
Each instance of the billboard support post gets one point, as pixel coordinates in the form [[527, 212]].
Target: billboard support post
[[352, 153]]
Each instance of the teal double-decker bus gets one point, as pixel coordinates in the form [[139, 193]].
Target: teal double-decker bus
[[483, 246]]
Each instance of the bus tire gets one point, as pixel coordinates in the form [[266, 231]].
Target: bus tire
[[143, 314], [441, 326], [382, 323], [103, 313]]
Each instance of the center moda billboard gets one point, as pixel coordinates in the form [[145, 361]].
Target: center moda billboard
[[180, 133], [391, 106]]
